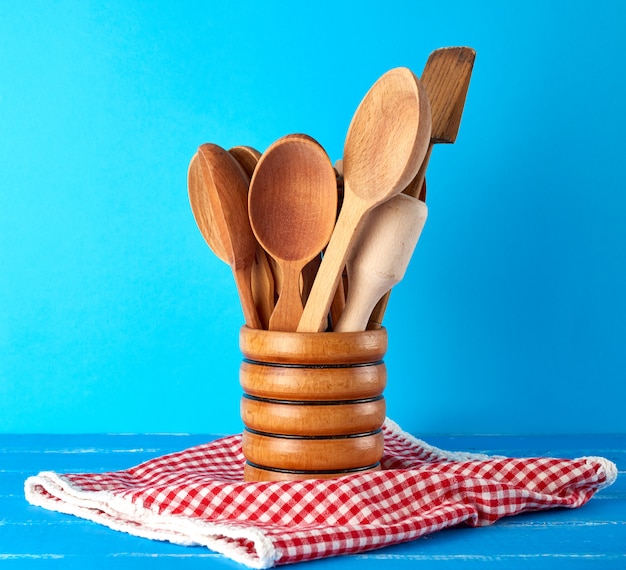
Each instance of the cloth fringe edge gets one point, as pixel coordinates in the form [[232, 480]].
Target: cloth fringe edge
[[178, 530], [396, 431], [607, 466]]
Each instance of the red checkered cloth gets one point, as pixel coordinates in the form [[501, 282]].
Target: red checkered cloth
[[198, 497]]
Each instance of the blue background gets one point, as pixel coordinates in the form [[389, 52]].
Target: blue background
[[116, 317]]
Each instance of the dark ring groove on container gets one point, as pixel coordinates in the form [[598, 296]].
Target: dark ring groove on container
[[312, 366], [314, 437], [313, 402], [320, 472]]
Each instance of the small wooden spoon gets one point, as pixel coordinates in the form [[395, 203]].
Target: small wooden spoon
[[263, 281], [218, 191], [201, 208], [385, 145], [380, 257], [249, 157], [292, 206]]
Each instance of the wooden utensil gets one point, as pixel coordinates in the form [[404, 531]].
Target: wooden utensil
[[338, 303], [201, 208], [385, 145], [247, 157], [218, 191], [292, 207], [263, 282], [380, 257], [445, 78]]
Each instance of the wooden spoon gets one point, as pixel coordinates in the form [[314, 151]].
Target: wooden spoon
[[201, 208], [385, 145], [445, 78], [292, 206], [218, 191], [263, 281], [380, 257], [248, 157]]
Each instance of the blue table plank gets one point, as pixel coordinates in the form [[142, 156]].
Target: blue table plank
[[593, 536]]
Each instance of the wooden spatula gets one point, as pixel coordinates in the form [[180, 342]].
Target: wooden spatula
[[380, 257], [446, 77]]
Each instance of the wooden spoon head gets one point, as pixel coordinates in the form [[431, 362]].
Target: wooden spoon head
[[384, 248], [247, 157], [387, 138], [293, 199], [381, 256], [227, 187], [446, 78], [201, 207]]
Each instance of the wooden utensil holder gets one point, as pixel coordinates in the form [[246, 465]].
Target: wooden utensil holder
[[313, 404]]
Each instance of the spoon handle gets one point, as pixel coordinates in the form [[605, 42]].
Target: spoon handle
[[338, 304], [364, 294], [416, 186], [288, 308], [243, 280], [315, 315], [263, 286]]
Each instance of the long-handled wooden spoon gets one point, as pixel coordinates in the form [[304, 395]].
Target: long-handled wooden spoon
[[385, 145], [446, 78], [263, 282], [201, 208], [380, 257], [218, 192], [292, 206]]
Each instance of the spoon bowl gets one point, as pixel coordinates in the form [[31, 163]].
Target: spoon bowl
[[292, 207]]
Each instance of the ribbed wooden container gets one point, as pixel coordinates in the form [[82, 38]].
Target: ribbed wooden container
[[313, 404]]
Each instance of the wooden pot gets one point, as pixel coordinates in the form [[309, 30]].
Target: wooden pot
[[313, 404]]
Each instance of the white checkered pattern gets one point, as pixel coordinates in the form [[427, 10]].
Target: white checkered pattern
[[198, 497]]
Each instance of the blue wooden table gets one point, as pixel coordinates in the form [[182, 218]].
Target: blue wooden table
[[593, 536]]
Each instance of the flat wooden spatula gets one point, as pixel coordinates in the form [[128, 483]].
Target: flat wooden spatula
[[446, 77], [380, 257]]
